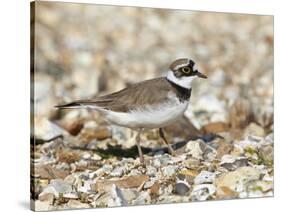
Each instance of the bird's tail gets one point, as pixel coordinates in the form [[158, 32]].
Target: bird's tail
[[71, 105], [86, 104]]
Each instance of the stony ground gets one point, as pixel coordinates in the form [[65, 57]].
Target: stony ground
[[224, 143]]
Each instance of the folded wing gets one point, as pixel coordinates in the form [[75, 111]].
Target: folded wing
[[148, 92]]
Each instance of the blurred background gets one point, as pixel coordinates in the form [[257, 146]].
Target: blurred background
[[226, 135], [84, 50]]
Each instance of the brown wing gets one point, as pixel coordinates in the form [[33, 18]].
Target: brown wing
[[147, 92]]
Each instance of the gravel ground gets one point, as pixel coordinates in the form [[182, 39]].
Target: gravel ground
[[224, 143]]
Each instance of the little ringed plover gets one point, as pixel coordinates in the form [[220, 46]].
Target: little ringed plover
[[149, 104]]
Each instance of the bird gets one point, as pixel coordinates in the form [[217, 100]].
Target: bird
[[149, 104]]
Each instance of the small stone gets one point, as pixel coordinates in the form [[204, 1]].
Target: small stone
[[151, 171], [135, 172], [70, 179], [42, 206], [96, 157], [223, 149], [143, 198], [188, 175], [269, 139], [81, 165], [75, 126], [250, 141], [255, 130], [76, 204], [125, 182], [118, 171], [169, 171], [46, 130], [84, 187], [182, 188], [236, 180], [117, 198], [123, 136], [156, 162], [86, 155], [232, 162], [267, 153], [46, 197], [154, 190], [168, 189], [148, 184], [226, 193], [202, 192], [205, 177], [68, 156], [263, 186], [189, 172], [107, 168], [193, 148], [70, 196], [88, 134], [101, 133], [37, 187], [49, 172], [215, 127], [58, 186], [192, 163], [129, 194], [100, 199], [165, 159]]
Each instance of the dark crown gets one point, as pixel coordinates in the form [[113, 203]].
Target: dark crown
[[179, 63]]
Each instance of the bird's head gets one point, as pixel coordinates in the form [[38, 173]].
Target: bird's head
[[183, 71]]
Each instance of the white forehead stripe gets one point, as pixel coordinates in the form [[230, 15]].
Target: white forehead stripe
[[181, 65]]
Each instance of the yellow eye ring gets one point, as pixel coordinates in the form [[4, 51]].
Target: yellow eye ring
[[186, 70]]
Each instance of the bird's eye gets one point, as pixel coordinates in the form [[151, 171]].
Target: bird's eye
[[186, 70]]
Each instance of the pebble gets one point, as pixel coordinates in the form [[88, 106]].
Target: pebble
[[232, 162], [125, 182], [215, 127], [254, 129], [118, 171], [204, 177], [143, 198], [42, 205], [76, 204], [193, 148], [58, 186], [129, 194], [46, 130], [169, 171], [202, 192], [148, 184], [237, 180], [192, 163], [117, 198], [46, 197], [151, 171], [182, 188]]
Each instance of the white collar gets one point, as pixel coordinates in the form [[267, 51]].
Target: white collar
[[184, 82]]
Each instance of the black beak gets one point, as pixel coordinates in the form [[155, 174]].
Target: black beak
[[198, 74]]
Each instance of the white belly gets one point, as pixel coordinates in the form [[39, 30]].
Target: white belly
[[149, 117]]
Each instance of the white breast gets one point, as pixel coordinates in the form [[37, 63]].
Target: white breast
[[150, 116]]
